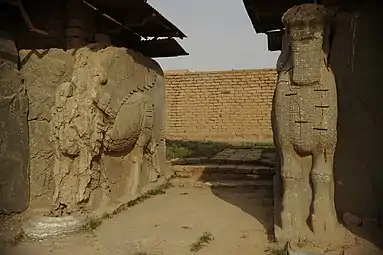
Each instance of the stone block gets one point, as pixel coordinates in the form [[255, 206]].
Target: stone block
[[244, 169], [193, 161], [226, 168], [178, 161], [260, 170]]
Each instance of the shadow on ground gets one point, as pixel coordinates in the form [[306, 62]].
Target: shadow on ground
[[254, 199], [256, 202]]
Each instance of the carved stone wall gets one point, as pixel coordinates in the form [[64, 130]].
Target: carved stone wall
[[96, 127], [14, 152], [43, 71]]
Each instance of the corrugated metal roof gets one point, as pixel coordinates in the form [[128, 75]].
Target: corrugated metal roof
[[130, 23], [161, 47], [139, 16], [266, 15]]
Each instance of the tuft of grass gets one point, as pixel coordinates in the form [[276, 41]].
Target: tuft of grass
[[301, 243], [193, 149], [202, 241], [18, 238], [91, 225], [106, 216], [177, 151], [277, 251], [158, 191], [244, 236]]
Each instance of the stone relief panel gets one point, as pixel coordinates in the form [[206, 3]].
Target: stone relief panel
[[14, 151], [107, 139], [43, 71]]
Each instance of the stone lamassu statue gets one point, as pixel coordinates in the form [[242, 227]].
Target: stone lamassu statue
[[304, 126], [106, 109]]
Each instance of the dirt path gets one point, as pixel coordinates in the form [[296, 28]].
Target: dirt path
[[170, 223], [229, 221]]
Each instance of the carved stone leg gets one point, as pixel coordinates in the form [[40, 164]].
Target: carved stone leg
[[84, 175], [62, 195], [324, 218], [134, 177], [152, 150], [294, 212], [57, 177]]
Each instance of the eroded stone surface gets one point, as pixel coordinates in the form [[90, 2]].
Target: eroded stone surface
[[107, 130], [43, 71], [14, 153], [304, 126]]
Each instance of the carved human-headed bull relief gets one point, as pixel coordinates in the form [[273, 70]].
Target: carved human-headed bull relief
[[304, 126], [106, 109]]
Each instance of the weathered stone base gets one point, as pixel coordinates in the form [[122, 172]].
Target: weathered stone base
[[42, 227]]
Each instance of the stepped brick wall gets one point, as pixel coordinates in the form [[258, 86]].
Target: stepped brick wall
[[231, 106]]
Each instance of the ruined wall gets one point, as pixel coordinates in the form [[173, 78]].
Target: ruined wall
[[94, 113], [220, 106]]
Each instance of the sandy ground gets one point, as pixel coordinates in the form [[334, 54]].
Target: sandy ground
[[171, 223], [238, 220]]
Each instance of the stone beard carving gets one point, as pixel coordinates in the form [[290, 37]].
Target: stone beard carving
[[304, 126], [106, 109]]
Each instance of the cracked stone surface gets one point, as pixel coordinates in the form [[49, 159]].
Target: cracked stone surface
[[14, 151], [43, 71], [96, 128]]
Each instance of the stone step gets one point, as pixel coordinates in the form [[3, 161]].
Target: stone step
[[222, 160], [252, 184], [222, 171]]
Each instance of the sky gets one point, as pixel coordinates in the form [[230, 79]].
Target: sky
[[220, 36]]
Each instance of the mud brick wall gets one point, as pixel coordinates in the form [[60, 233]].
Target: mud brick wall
[[231, 106]]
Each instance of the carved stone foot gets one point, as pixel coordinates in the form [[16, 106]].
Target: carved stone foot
[[327, 229], [295, 234]]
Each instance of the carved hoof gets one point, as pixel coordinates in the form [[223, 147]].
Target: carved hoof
[[295, 236], [329, 232], [322, 224]]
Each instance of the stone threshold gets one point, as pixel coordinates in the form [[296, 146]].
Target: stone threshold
[[254, 184], [190, 170], [222, 160]]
